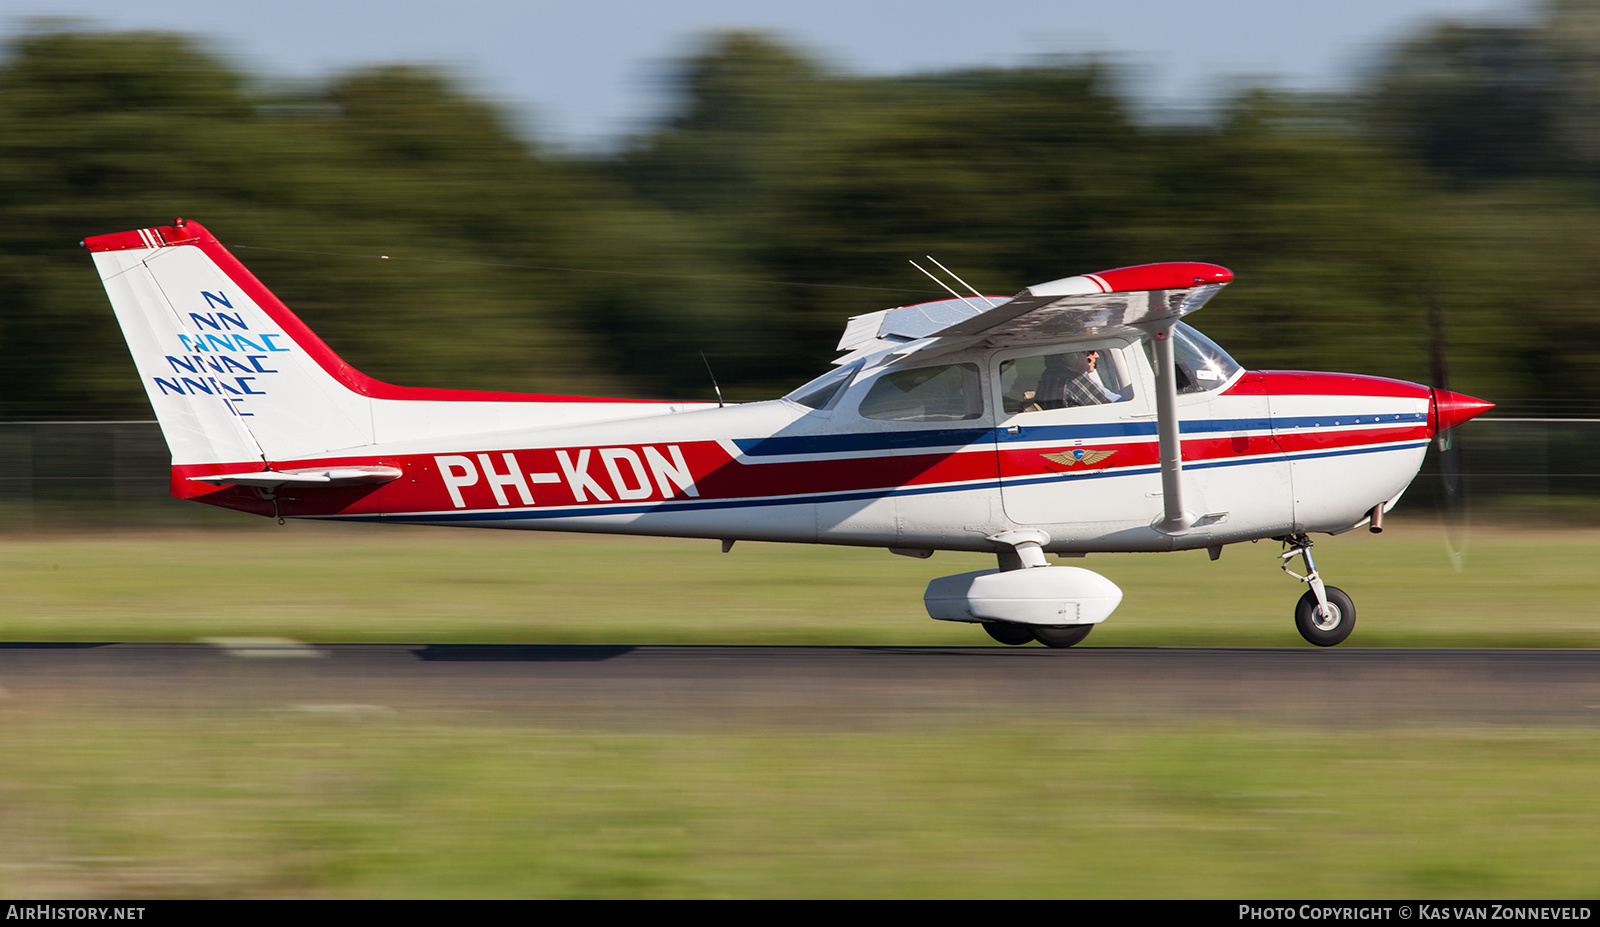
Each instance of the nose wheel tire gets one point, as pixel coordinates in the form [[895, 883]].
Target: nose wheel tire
[[1007, 633], [1325, 631], [1064, 636]]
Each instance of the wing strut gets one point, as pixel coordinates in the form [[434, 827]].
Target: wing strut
[[1176, 518]]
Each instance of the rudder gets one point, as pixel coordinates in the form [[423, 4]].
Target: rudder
[[232, 374]]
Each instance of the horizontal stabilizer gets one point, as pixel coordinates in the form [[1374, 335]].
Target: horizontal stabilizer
[[313, 478]]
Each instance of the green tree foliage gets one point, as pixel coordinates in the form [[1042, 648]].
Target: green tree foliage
[[1473, 101], [778, 197], [101, 132], [1505, 120], [1014, 177]]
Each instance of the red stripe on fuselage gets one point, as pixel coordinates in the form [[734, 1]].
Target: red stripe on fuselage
[[615, 475], [1315, 439], [606, 476], [1312, 383]]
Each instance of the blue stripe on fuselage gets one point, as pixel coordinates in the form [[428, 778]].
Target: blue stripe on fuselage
[[858, 442], [849, 496]]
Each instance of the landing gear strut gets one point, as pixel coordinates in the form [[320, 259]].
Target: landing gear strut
[[1324, 616]]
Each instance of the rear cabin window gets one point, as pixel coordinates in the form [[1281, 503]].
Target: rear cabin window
[[926, 394]]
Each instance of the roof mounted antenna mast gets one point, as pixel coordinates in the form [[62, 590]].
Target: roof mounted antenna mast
[[958, 279], [946, 286], [713, 384]]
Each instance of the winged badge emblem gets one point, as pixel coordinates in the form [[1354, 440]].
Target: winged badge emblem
[[1079, 456]]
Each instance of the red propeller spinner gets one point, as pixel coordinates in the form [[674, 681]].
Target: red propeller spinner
[[1447, 410]]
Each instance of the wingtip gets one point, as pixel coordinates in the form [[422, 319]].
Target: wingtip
[[1172, 275]]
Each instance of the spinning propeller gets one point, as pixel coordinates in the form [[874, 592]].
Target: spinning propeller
[[1445, 411]]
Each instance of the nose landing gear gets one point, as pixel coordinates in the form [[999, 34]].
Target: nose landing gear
[[1324, 616]]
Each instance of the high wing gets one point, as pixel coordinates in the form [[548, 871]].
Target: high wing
[[1146, 299], [1061, 311]]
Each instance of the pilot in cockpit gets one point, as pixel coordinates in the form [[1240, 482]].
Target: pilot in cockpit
[[1070, 380]]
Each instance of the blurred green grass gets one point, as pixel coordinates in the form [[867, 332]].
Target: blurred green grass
[[372, 804], [237, 799], [327, 583]]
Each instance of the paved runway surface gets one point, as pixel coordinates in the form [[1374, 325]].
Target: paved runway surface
[[853, 686]]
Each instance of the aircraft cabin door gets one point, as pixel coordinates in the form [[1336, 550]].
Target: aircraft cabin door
[[1076, 439]]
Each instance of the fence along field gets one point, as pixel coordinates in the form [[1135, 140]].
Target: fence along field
[[96, 550], [1529, 469]]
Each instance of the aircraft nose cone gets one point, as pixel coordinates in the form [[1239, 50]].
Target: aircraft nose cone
[[1451, 409]]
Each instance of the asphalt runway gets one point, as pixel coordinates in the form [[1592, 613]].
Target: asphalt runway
[[823, 686]]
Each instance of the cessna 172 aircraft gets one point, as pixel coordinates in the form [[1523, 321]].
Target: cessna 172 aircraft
[[1080, 415]]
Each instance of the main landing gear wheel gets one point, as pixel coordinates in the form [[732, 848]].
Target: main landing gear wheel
[[1325, 631], [1008, 633], [1062, 636]]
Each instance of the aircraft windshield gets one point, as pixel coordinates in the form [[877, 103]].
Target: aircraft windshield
[[819, 392], [1202, 365]]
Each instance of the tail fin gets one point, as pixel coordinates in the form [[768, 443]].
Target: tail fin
[[233, 376], [237, 379]]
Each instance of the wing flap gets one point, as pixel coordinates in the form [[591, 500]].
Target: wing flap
[[909, 323]]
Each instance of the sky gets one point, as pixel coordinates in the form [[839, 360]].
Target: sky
[[583, 74]]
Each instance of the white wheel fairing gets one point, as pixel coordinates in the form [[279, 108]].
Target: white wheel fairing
[[1050, 596]]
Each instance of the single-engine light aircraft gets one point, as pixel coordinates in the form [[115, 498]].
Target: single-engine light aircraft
[[1080, 415]]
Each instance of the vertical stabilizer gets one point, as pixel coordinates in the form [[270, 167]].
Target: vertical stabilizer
[[228, 382], [240, 384]]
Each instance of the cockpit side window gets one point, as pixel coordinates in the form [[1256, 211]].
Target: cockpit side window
[[950, 393], [1089, 377]]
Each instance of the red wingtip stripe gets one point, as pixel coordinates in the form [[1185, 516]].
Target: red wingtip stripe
[[1172, 275], [179, 233]]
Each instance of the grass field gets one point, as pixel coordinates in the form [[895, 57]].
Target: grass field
[[324, 583], [374, 801], [293, 805]]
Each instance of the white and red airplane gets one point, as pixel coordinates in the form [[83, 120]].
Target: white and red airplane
[[1080, 415]]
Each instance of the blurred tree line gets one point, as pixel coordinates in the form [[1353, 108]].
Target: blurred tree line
[[780, 197]]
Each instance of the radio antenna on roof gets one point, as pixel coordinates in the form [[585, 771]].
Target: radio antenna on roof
[[713, 385], [958, 279], [945, 285]]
